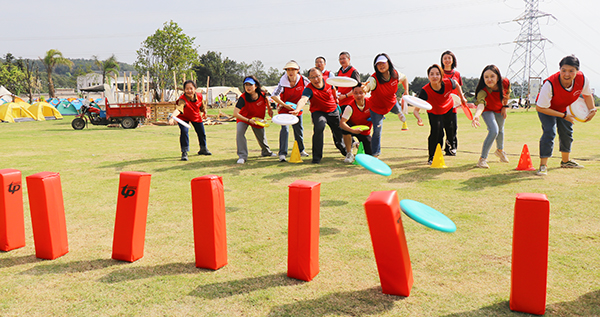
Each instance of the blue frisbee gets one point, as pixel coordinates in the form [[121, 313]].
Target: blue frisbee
[[373, 164], [427, 216], [293, 105]]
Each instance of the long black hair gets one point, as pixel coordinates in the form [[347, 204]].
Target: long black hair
[[481, 83], [393, 73]]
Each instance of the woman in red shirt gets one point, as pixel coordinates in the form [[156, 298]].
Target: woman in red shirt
[[438, 93], [189, 108], [492, 94], [252, 104]]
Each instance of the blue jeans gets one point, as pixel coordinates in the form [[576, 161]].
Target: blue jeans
[[377, 120], [184, 139], [495, 126], [549, 126], [298, 136]]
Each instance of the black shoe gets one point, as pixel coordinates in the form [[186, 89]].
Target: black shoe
[[315, 161], [184, 156], [204, 152]]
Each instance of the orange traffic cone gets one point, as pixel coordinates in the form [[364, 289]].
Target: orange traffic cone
[[295, 157], [525, 160], [438, 158]]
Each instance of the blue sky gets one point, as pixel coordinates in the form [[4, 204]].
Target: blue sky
[[413, 33]]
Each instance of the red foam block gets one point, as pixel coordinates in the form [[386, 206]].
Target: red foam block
[[130, 220], [12, 223], [530, 254], [47, 215], [389, 243], [303, 230], [210, 231]]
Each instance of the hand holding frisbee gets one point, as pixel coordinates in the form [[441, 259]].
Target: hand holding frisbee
[[417, 102], [427, 216], [341, 81], [260, 122], [579, 110], [360, 127], [291, 104], [183, 123]]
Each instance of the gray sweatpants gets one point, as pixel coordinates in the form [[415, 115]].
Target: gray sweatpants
[[242, 144]]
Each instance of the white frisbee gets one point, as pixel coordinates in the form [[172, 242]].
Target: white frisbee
[[341, 81], [417, 102], [285, 119], [579, 109], [183, 123], [456, 100]]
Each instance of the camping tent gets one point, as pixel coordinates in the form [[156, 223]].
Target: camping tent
[[15, 112], [5, 95], [66, 108], [44, 111]]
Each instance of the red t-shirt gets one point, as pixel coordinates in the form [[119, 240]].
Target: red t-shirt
[[493, 100], [383, 98], [191, 110], [360, 117], [441, 101], [253, 109], [292, 94]]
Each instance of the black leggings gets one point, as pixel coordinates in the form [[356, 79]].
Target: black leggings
[[436, 133]]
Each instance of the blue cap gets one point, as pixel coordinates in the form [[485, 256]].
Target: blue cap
[[250, 81]]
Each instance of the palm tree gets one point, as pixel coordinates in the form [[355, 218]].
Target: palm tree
[[52, 59], [108, 66]]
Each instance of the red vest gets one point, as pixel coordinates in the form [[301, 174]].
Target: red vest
[[493, 100], [322, 99], [346, 90], [383, 98], [253, 109], [443, 102], [359, 117], [292, 94], [453, 74], [191, 110], [326, 74], [561, 98]]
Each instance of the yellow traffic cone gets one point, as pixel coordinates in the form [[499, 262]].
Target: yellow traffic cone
[[404, 126], [438, 158], [295, 157]]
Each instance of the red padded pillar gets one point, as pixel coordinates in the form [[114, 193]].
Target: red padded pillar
[[389, 243], [47, 215], [303, 230], [530, 254], [12, 223], [132, 210], [210, 231]]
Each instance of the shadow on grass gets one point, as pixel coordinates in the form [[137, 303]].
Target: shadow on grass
[[142, 272], [333, 203], [585, 305], [426, 173], [481, 182], [19, 260], [247, 285], [326, 231], [72, 267], [356, 303]]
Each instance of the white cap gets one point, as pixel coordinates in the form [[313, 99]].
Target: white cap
[[381, 59], [291, 64]]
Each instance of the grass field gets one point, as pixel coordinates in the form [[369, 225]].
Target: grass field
[[466, 273]]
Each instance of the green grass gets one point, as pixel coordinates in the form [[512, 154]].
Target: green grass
[[466, 273]]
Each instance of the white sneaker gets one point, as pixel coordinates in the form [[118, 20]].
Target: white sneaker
[[304, 154], [281, 158], [482, 163], [349, 158], [401, 116], [543, 171], [502, 155], [241, 161]]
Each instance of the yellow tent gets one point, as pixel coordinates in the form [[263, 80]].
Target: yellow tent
[[44, 111], [15, 112]]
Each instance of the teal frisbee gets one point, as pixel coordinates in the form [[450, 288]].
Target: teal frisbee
[[291, 104], [373, 164], [427, 216]]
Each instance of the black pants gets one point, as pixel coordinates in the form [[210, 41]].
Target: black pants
[[436, 132], [451, 126], [332, 119]]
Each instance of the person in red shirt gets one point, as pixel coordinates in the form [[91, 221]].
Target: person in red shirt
[[251, 105], [492, 93], [189, 108], [323, 110], [346, 70], [438, 93], [320, 64], [557, 93], [448, 60], [357, 113]]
